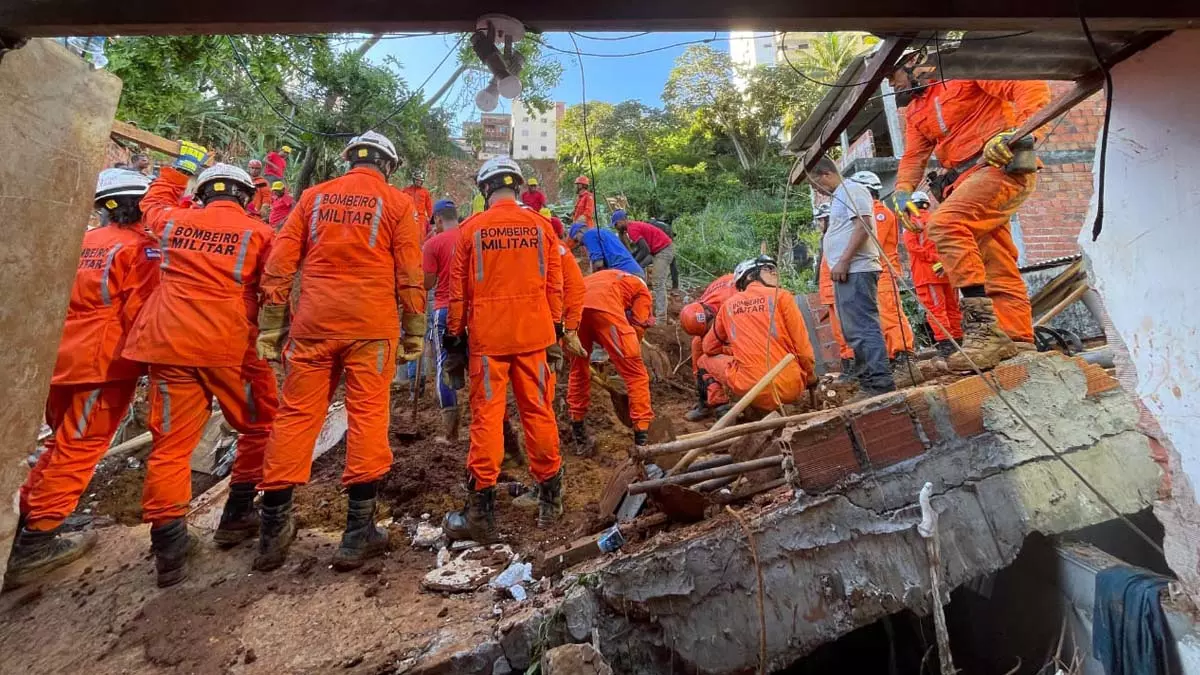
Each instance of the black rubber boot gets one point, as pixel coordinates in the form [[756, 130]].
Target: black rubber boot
[[585, 445], [847, 371], [36, 554], [477, 521], [171, 544], [550, 501], [362, 539], [239, 519], [945, 348], [277, 531], [641, 437], [701, 411]]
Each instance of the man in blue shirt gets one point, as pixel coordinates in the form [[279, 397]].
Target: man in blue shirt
[[605, 249]]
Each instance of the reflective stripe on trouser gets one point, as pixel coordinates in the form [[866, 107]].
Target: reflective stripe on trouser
[[314, 368], [715, 393], [662, 280], [84, 418], [844, 351], [180, 407], [625, 352], [942, 301], [447, 396], [897, 332], [533, 389], [858, 309], [974, 243]]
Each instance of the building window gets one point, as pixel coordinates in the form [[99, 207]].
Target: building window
[[524, 147], [544, 134], [543, 148], [525, 132]]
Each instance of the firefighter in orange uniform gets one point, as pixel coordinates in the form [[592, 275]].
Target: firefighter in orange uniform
[[197, 333], [617, 310], [356, 244], [585, 203], [421, 199], [506, 305], [961, 121], [92, 386], [697, 319], [260, 205], [929, 278], [897, 332], [756, 327]]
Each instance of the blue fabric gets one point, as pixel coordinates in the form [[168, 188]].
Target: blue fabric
[[616, 216], [1129, 631], [447, 397], [605, 246], [858, 309]]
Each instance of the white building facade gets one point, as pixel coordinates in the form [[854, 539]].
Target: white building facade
[[535, 134]]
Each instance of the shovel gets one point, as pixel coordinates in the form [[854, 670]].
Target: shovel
[[618, 395], [412, 434]]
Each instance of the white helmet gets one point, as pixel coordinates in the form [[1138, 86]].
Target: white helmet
[[371, 139], [746, 267], [868, 179], [119, 183], [224, 172], [499, 172], [920, 197]]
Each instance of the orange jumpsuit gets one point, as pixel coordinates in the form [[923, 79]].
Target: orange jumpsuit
[[897, 332], [617, 310], [422, 202], [92, 386], [755, 329], [954, 120], [714, 298], [356, 244], [262, 197], [573, 288], [197, 332], [585, 209], [506, 294], [937, 295]]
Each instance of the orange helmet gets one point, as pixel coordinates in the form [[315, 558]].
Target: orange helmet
[[583, 180], [695, 319]]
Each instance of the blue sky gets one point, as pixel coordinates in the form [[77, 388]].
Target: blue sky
[[608, 79]]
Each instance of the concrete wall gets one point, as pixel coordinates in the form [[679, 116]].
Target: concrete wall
[[1145, 262], [55, 116]]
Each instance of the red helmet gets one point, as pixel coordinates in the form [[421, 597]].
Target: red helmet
[[583, 180], [695, 319], [254, 164]]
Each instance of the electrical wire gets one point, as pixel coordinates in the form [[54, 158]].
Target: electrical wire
[[999, 392], [587, 141], [611, 39], [579, 54], [245, 67], [1102, 167]]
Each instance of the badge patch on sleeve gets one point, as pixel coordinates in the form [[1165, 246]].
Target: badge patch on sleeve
[[880, 217]]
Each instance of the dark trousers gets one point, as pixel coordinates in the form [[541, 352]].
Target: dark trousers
[[858, 309]]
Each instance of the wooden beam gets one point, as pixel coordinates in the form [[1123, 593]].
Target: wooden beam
[[126, 131], [876, 69]]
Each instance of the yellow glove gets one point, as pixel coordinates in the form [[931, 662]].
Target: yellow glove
[[996, 151], [271, 331], [413, 342], [939, 269], [909, 217], [572, 345], [191, 157]]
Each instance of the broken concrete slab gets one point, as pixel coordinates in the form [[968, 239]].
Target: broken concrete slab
[[578, 659], [470, 570], [427, 535]]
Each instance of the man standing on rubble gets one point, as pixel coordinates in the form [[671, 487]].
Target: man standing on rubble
[[962, 121], [854, 268], [929, 277], [697, 320], [897, 332], [533, 197], [260, 206], [585, 203], [356, 244], [617, 310], [92, 386], [755, 328], [197, 334], [438, 258], [422, 200], [506, 301]]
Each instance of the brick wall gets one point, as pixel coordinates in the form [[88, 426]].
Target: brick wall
[[1053, 215]]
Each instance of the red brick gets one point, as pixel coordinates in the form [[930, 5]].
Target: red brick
[[887, 436], [824, 456]]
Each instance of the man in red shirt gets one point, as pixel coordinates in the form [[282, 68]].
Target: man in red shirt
[[533, 197], [277, 163], [661, 248], [438, 255], [281, 204]]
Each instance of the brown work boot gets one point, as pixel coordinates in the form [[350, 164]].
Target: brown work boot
[[36, 554], [982, 340], [905, 371], [477, 520]]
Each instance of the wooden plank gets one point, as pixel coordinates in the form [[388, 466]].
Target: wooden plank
[[128, 132], [877, 68], [1058, 309]]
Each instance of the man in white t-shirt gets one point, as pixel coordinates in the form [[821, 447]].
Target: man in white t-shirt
[[854, 266]]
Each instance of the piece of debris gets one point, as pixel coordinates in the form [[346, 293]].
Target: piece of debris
[[463, 545], [470, 570], [579, 659], [511, 579], [427, 535], [443, 556]]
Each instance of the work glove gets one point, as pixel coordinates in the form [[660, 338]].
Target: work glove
[[413, 342], [554, 357], [271, 331], [455, 363], [939, 269], [191, 157], [910, 218], [572, 345], [996, 151], [900, 202]]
